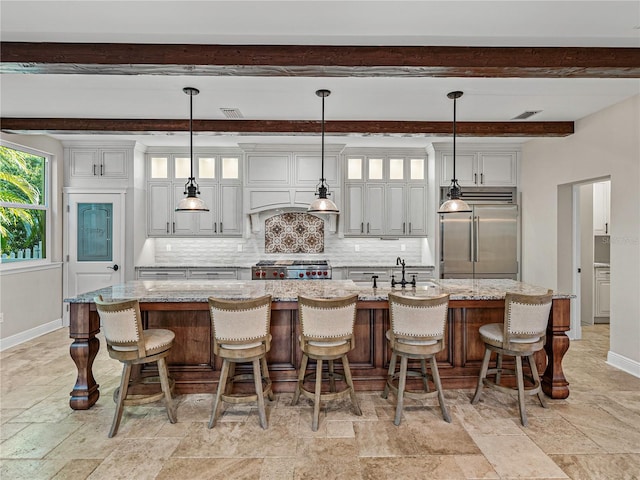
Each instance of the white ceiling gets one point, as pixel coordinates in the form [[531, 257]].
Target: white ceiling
[[471, 23]]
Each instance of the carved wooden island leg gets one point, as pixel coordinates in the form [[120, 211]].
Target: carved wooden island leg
[[554, 383], [83, 329]]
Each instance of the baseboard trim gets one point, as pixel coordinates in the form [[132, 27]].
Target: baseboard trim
[[30, 334], [623, 363]]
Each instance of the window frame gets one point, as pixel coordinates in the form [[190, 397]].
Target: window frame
[[46, 207]]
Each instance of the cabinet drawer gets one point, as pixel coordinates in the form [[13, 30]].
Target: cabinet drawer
[[163, 274], [365, 274]]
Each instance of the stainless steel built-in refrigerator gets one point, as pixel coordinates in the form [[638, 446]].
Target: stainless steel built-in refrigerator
[[480, 244]]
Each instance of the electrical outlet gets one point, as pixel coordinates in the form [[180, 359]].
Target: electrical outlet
[[403, 247], [357, 247], [168, 247], [239, 247]]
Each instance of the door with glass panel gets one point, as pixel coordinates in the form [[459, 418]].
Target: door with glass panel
[[95, 241]]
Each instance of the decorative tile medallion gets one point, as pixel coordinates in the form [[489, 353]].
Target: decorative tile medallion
[[294, 233]]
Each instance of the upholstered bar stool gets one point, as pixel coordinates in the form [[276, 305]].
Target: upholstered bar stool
[[241, 335], [416, 333], [326, 335], [128, 343], [520, 335]]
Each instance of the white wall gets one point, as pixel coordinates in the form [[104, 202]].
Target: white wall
[[605, 143], [31, 301]]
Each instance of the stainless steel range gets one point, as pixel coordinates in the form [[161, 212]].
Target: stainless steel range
[[291, 270]]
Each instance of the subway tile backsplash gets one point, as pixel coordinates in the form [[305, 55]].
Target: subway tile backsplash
[[248, 251]]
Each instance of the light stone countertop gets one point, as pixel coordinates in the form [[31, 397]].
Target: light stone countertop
[[160, 291]]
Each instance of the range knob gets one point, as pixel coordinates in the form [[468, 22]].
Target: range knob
[[281, 275], [325, 273], [308, 274], [313, 273], [264, 274], [275, 274], [301, 275]]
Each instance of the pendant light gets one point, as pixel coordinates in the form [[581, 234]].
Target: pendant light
[[191, 203], [322, 204], [455, 203]]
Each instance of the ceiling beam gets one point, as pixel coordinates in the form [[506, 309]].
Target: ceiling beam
[[318, 60], [291, 127]]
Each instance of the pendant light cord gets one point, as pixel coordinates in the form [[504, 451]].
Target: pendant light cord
[[454, 138], [192, 179], [322, 179]]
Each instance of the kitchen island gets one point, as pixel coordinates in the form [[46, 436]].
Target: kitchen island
[[182, 307]]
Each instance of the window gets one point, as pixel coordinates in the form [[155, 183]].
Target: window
[[24, 204]]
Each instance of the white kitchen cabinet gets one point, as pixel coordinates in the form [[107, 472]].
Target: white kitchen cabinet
[[385, 194], [220, 186], [376, 210], [480, 168], [282, 176], [601, 208], [602, 295], [365, 211], [97, 165]]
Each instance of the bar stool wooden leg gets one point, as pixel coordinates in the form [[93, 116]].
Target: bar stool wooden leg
[[316, 402], [265, 375], [425, 377], [520, 381], [499, 368], [483, 374], [349, 379], [222, 385], [257, 380], [390, 374], [402, 382], [122, 394], [436, 380], [536, 379], [332, 377], [301, 373], [166, 388]]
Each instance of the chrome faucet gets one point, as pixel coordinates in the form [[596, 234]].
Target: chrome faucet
[[403, 282]]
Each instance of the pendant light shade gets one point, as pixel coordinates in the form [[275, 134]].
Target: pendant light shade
[[455, 203], [322, 204], [191, 203]]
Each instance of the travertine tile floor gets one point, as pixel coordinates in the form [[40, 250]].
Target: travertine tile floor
[[594, 434]]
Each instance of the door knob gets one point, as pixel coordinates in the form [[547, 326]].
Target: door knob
[[114, 268]]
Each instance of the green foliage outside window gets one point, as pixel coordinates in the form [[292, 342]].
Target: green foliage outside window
[[23, 206]]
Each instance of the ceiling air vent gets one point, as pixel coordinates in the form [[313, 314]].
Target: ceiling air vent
[[527, 114], [231, 112]]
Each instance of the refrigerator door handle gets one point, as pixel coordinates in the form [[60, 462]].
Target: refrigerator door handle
[[471, 239], [477, 239]]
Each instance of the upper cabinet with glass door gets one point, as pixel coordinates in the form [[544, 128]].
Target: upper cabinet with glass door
[[219, 178], [385, 194]]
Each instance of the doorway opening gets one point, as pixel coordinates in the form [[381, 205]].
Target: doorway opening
[[583, 246]]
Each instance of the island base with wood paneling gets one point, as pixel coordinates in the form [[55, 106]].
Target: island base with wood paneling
[[195, 369]]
